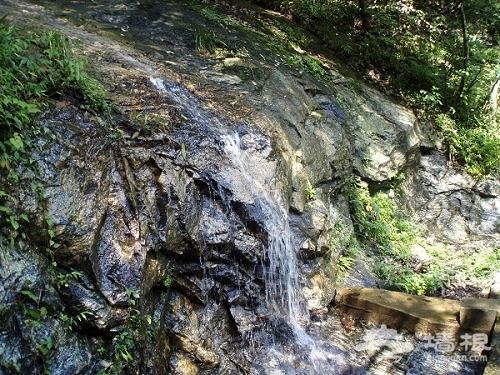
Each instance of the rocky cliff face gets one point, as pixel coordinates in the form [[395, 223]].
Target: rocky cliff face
[[163, 257]]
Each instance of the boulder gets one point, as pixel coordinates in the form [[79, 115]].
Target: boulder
[[455, 208]]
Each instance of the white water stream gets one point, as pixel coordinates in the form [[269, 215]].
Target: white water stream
[[283, 292]]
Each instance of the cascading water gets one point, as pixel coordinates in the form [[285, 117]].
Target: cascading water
[[283, 293], [281, 275], [287, 344]]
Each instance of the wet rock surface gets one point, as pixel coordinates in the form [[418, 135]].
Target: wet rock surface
[[159, 224]]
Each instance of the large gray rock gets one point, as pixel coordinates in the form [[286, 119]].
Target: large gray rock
[[169, 228], [308, 129], [195, 210], [455, 208], [386, 136]]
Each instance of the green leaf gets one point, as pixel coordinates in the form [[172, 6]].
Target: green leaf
[[18, 122], [49, 221], [46, 346], [49, 342], [86, 314], [16, 141], [29, 294], [32, 108], [126, 355], [34, 314], [183, 150], [14, 223], [36, 323]]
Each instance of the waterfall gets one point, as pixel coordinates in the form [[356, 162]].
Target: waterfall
[[283, 292], [281, 275], [284, 345]]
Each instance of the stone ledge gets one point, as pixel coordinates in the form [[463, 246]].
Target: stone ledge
[[481, 304], [478, 315], [419, 314], [427, 315]]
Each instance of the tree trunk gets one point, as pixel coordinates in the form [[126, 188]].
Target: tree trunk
[[364, 17], [465, 43]]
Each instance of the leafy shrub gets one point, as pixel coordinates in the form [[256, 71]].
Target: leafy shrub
[[386, 229], [343, 243], [389, 236], [404, 277], [478, 147], [34, 66]]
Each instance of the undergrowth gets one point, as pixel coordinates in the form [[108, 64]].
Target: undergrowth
[[285, 41], [342, 242], [34, 66], [401, 255]]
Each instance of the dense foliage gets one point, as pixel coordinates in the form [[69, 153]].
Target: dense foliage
[[440, 57], [34, 66], [390, 234], [401, 257]]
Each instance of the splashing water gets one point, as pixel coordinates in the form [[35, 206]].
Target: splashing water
[[283, 293]]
